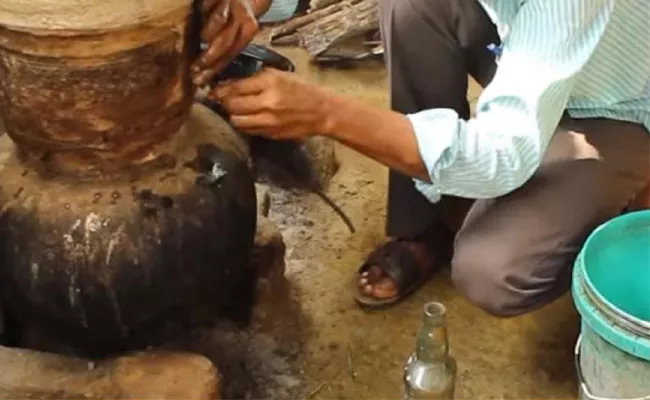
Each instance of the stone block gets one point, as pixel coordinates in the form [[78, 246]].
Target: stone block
[[309, 164], [322, 153], [158, 375], [263, 200], [269, 250]]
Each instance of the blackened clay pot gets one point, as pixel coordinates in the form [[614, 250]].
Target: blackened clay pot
[[124, 206]]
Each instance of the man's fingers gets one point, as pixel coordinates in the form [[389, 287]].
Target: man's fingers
[[217, 19], [255, 122], [230, 26], [243, 87], [220, 45], [216, 67], [247, 29], [204, 76], [245, 35], [208, 5], [244, 105], [248, 6], [210, 63]]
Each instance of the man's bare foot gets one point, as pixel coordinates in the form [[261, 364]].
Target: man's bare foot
[[375, 283], [400, 266]]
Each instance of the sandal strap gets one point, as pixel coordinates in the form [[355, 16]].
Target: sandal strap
[[398, 263]]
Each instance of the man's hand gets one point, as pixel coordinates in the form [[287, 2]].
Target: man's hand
[[280, 106], [275, 104], [228, 26]]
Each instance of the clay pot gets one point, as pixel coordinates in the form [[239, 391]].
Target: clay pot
[[124, 206], [94, 85]]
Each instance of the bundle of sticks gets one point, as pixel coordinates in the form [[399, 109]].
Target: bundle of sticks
[[328, 23]]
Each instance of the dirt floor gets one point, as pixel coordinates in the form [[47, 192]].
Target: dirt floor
[[320, 345]]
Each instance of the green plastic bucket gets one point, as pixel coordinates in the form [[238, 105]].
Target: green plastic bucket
[[611, 290]]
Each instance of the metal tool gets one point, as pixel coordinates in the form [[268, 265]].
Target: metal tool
[[251, 60]]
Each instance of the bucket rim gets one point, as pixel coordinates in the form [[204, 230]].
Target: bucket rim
[[592, 291], [608, 321]]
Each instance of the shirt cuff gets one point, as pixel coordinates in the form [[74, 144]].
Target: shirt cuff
[[435, 131], [429, 190], [280, 10]]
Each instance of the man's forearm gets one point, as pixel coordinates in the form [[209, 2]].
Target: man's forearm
[[383, 135]]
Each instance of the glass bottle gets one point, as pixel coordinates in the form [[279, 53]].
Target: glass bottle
[[430, 373]]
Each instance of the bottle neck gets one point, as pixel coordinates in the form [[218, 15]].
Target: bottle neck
[[432, 343]]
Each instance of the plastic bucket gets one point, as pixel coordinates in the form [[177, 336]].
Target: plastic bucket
[[611, 290]]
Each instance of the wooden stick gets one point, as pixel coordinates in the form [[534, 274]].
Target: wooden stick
[[318, 4], [292, 25], [353, 20], [287, 40]]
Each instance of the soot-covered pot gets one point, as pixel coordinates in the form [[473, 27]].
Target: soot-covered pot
[[124, 206]]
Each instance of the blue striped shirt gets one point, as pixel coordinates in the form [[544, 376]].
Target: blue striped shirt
[[279, 10], [588, 57]]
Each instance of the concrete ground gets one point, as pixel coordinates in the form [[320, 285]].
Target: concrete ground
[[346, 353]]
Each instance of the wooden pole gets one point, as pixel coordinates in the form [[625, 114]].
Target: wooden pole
[[352, 20]]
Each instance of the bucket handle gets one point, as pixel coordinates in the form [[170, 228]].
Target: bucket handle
[[584, 389]]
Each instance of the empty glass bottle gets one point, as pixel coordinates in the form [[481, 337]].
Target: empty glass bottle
[[430, 372]]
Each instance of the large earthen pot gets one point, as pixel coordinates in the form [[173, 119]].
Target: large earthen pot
[[124, 205]]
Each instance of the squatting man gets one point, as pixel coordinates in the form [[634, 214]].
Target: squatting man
[[559, 142]]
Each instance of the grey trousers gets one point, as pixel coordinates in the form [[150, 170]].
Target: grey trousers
[[515, 253]]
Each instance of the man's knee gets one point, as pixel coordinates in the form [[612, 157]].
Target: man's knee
[[485, 276]]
